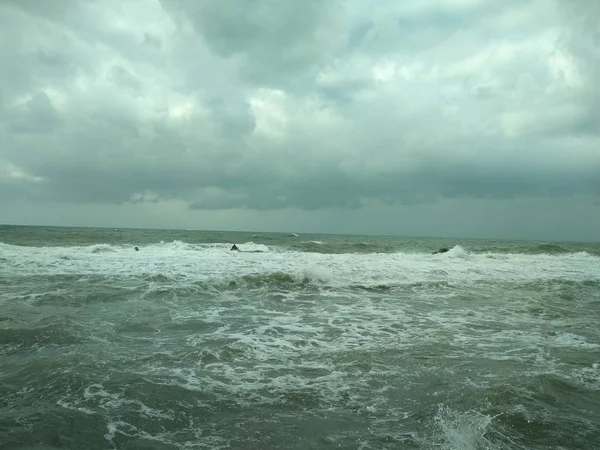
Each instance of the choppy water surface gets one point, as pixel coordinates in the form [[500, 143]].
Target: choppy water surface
[[296, 342]]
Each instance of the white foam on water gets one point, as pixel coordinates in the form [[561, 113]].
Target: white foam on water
[[468, 430], [330, 350], [111, 429], [96, 396], [456, 252], [126, 429], [348, 319], [272, 354], [572, 341], [215, 261], [67, 405], [315, 274], [101, 248]]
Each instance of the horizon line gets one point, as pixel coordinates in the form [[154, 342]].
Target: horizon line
[[400, 236]]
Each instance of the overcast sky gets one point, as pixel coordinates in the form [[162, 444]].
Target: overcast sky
[[467, 118]]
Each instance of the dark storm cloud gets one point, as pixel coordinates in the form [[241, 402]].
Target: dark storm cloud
[[268, 105], [36, 115], [275, 40]]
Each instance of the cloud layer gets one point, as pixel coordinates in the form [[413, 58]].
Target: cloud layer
[[320, 106]]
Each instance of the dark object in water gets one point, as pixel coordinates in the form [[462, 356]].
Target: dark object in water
[[235, 248], [441, 250], [136, 249]]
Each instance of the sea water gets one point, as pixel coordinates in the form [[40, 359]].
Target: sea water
[[296, 342]]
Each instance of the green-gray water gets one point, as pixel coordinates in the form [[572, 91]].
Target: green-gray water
[[297, 342]]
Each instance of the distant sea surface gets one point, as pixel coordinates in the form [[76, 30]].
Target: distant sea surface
[[296, 342]]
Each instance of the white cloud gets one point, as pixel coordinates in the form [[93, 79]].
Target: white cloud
[[10, 172]]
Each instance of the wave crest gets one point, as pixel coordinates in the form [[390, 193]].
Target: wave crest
[[101, 248]]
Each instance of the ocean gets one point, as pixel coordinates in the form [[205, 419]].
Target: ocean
[[296, 342]]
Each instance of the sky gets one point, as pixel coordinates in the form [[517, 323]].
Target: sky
[[450, 118]]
